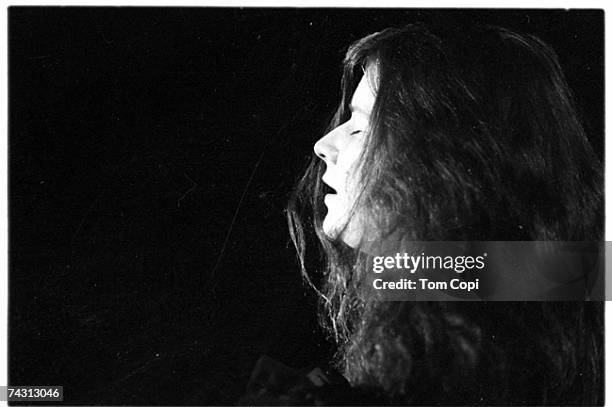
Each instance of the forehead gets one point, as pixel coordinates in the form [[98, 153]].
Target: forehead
[[364, 96]]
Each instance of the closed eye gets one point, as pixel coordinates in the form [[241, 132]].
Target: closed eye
[[356, 132]]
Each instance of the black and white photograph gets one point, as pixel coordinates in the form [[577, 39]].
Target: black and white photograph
[[221, 206]]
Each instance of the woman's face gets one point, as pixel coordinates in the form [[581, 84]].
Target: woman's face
[[341, 149]]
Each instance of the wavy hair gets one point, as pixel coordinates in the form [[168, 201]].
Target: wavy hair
[[474, 136]]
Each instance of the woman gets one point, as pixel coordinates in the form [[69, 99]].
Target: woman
[[463, 134]]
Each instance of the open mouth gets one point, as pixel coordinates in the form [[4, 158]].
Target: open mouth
[[328, 190]]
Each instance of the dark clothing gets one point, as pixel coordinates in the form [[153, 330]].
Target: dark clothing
[[273, 383]]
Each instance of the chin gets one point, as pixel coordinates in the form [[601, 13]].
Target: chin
[[334, 230], [329, 229]]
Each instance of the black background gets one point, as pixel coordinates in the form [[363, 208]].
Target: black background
[[152, 151]]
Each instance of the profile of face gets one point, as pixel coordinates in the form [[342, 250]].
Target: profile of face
[[341, 150]]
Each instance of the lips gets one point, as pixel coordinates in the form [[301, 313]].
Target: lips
[[327, 188]]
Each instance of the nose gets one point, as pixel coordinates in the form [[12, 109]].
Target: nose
[[326, 148]]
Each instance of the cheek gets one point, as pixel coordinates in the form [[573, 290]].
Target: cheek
[[337, 223], [349, 162]]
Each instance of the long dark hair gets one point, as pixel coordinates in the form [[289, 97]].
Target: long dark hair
[[474, 136]]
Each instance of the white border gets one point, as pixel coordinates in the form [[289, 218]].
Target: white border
[[608, 219], [608, 214], [516, 4], [4, 198], [252, 3]]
